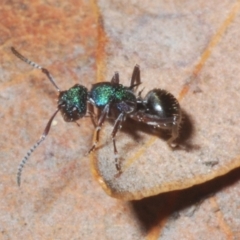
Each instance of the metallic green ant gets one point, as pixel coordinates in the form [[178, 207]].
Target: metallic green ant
[[159, 108]]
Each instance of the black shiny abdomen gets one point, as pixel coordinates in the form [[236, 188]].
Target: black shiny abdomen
[[161, 103]]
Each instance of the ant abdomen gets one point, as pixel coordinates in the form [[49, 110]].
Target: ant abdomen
[[161, 103], [160, 109]]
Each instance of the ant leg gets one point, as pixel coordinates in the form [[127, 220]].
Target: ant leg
[[116, 127], [32, 149], [92, 114], [77, 123], [35, 65], [161, 123], [175, 132], [115, 78], [139, 98], [136, 79], [151, 120], [101, 120]]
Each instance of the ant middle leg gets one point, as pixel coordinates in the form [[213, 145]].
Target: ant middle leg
[[115, 78]]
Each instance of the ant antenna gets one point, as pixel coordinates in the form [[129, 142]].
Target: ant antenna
[[35, 65], [33, 148]]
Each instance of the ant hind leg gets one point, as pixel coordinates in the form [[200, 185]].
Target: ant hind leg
[[175, 132]]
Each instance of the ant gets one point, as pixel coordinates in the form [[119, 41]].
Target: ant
[[159, 108]]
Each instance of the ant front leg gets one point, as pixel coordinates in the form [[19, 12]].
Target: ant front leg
[[92, 114], [101, 120]]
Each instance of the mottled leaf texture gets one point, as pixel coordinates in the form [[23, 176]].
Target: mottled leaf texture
[[186, 47]]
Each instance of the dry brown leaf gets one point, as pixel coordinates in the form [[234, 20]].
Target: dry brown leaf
[[59, 198], [210, 132]]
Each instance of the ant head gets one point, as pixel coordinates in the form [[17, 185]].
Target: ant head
[[73, 103]]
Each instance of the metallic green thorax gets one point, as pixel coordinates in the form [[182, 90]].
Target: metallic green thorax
[[73, 103], [104, 93]]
